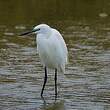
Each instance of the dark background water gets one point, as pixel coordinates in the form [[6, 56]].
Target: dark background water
[[85, 27], [36, 11]]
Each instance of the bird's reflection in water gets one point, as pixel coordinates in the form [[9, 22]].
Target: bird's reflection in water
[[56, 105], [44, 102]]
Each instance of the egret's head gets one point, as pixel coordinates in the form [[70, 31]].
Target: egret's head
[[39, 29], [42, 28]]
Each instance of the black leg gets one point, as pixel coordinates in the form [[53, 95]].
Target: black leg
[[45, 80], [56, 83]]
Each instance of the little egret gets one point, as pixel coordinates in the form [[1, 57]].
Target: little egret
[[52, 50]]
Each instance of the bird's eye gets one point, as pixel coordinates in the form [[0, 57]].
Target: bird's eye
[[38, 29]]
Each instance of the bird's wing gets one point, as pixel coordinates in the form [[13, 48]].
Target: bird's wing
[[63, 44]]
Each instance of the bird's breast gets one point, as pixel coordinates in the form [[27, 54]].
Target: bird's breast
[[48, 53]]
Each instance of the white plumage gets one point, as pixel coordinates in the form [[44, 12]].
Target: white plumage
[[51, 47], [52, 50]]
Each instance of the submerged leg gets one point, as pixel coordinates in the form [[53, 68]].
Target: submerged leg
[[45, 80], [56, 83]]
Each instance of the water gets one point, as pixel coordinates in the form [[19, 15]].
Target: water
[[86, 30]]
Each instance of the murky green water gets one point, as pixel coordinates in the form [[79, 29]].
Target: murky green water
[[85, 26]]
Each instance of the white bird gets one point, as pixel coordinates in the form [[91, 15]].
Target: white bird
[[52, 50]]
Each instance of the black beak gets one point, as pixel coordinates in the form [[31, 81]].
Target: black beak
[[29, 32], [26, 33]]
